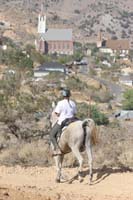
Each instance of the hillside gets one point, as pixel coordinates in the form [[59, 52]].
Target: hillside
[[87, 17]]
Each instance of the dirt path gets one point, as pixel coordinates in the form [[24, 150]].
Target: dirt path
[[17, 183]]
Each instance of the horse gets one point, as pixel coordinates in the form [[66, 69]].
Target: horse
[[77, 137]]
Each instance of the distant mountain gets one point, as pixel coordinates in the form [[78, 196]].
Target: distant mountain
[[87, 17]]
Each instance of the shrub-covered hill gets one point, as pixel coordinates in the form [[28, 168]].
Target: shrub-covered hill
[[25, 108], [113, 17]]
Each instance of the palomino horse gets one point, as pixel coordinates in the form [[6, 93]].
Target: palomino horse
[[78, 136]]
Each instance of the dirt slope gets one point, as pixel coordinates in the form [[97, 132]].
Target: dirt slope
[[35, 183]]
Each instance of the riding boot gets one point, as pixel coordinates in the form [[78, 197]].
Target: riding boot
[[57, 151], [53, 134]]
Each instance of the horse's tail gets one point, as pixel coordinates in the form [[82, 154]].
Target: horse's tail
[[94, 132]]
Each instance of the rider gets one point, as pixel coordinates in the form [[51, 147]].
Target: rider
[[65, 109]]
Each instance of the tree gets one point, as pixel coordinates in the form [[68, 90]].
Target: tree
[[128, 100]]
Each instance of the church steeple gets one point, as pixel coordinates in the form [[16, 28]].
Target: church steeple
[[42, 21]]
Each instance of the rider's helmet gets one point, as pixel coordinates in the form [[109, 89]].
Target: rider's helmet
[[66, 93]]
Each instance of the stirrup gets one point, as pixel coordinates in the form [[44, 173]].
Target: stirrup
[[56, 154]]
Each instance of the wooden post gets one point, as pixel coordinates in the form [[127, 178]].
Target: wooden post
[[89, 111]]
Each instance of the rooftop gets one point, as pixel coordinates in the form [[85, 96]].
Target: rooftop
[[118, 44], [57, 35], [50, 66]]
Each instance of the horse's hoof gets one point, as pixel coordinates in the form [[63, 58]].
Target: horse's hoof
[[70, 182], [90, 183], [57, 180], [81, 180], [64, 178]]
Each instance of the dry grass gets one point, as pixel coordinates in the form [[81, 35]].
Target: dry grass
[[114, 149]]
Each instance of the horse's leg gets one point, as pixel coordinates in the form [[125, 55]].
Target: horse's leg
[[89, 154], [77, 154], [58, 162]]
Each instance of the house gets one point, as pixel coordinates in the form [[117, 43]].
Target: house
[[126, 80], [46, 68], [116, 47], [124, 114], [113, 47], [53, 40]]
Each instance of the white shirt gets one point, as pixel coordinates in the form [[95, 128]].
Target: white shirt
[[66, 109]]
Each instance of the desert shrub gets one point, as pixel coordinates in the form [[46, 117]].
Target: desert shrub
[[99, 117], [2, 100], [78, 51], [64, 59], [114, 37], [9, 42], [40, 58], [55, 77], [77, 45], [124, 34], [26, 103], [9, 86], [102, 96], [43, 103], [17, 58], [25, 62], [33, 153], [128, 100], [78, 55], [114, 124], [74, 83], [92, 72], [85, 110], [77, 11], [125, 159]]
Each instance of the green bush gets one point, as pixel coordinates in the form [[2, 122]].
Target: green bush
[[16, 58], [64, 59], [128, 100], [85, 110], [78, 55], [99, 118]]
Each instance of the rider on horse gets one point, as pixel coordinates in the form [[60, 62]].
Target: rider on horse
[[65, 111]]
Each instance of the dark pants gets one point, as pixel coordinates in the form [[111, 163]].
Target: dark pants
[[53, 134]]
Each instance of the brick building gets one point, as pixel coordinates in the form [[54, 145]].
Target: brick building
[[52, 40], [113, 47]]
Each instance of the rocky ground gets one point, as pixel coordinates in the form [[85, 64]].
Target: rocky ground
[[113, 170], [34, 183]]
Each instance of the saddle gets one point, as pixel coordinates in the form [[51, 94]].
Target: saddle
[[65, 123], [68, 121]]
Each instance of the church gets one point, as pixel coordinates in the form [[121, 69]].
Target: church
[[53, 40]]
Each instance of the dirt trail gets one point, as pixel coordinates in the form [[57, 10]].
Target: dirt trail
[[34, 183]]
